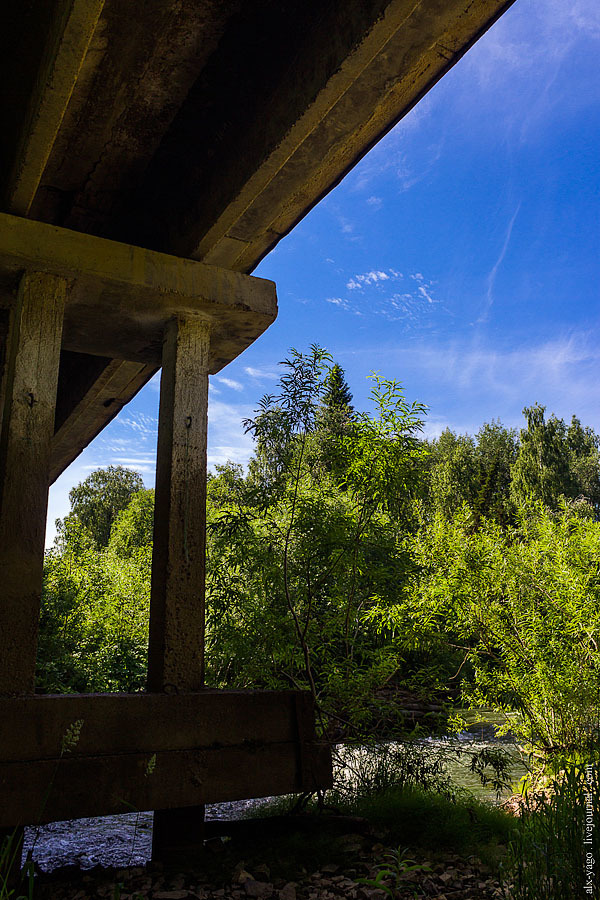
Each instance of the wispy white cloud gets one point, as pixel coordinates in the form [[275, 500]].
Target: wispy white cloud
[[266, 373], [231, 383], [372, 294], [531, 39], [375, 276], [344, 304], [138, 422], [489, 297], [557, 373]]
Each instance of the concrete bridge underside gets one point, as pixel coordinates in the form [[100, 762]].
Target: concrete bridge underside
[[200, 128]]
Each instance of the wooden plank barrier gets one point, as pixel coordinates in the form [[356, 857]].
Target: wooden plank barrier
[[98, 754]]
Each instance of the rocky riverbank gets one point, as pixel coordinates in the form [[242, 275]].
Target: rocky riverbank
[[354, 877]]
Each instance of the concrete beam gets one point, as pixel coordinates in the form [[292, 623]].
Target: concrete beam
[[66, 45], [29, 394], [339, 77], [121, 297], [91, 392]]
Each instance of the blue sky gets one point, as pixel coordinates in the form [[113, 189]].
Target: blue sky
[[461, 256]]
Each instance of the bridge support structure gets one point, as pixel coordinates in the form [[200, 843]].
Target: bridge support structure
[[179, 745]]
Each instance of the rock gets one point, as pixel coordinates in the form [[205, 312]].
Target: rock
[[240, 874], [258, 888], [172, 895], [288, 891], [262, 869], [351, 842]]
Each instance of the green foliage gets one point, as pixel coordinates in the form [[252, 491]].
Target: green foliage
[[475, 471], [391, 875], [435, 821], [22, 886], [375, 769], [131, 532], [97, 501], [299, 554], [93, 620], [555, 461], [555, 848], [522, 605]]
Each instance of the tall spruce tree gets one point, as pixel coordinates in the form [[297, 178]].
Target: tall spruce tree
[[337, 394]]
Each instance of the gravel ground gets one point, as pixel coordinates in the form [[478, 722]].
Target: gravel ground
[[447, 877]]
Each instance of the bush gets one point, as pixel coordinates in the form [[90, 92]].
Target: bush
[[555, 850]]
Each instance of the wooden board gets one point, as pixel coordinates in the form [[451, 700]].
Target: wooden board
[[153, 751], [33, 728], [48, 790]]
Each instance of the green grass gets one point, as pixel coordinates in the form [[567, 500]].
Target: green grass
[[420, 819], [432, 821]]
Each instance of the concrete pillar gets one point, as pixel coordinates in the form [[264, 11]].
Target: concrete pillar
[[28, 396], [176, 649]]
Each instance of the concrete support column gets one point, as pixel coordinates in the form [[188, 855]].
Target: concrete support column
[[176, 649], [28, 396]]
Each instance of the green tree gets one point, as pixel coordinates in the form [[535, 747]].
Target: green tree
[[496, 452], [584, 447], [294, 571], [542, 470], [132, 529], [336, 392], [97, 501], [521, 609], [95, 599], [454, 475]]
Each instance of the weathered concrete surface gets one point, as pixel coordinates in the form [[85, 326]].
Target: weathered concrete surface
[[205, 128], [29, 395], [41, 111], [121, 296], [176, 648]]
